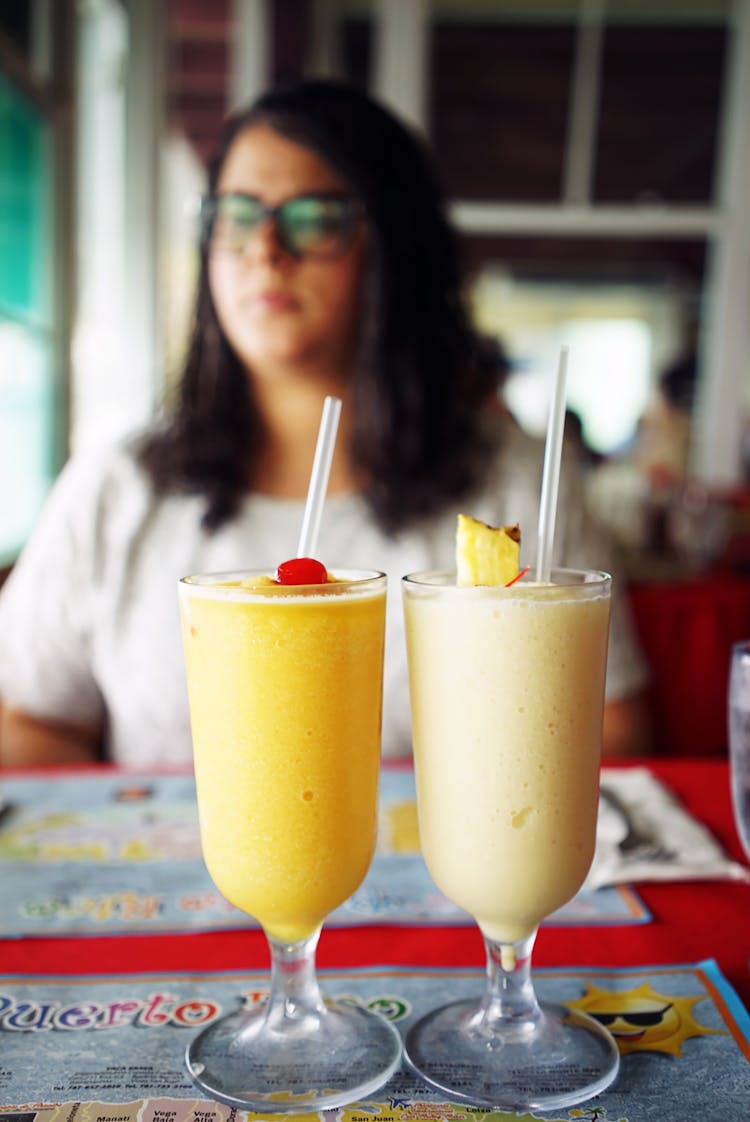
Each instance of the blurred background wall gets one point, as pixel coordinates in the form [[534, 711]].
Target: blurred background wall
[[596, 154]]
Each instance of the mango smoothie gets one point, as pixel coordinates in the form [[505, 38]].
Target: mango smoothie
[[507, 689], [285, 690]]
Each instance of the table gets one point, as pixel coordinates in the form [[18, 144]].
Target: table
[[691, 922]]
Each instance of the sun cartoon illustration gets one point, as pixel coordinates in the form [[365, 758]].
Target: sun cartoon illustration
[[642, 1020]]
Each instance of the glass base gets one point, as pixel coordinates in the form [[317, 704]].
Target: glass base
[[321, 1062], [560, 1058]]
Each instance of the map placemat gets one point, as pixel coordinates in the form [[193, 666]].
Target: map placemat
[[109, 1049], [114, 853]]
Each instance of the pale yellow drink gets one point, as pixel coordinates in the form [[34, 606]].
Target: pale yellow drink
[[507, 692], [285, 688]]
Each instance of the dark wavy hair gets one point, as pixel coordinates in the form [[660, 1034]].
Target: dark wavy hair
[[421, 373]]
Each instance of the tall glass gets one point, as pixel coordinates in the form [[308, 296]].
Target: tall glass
[[507, 695], [285, 689], [739, 738]]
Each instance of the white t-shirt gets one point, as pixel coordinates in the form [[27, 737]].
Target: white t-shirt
[[89, 621]]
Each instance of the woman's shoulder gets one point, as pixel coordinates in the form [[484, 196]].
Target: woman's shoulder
[[107, 471], [508, 440], [101, 490], [514, 459]]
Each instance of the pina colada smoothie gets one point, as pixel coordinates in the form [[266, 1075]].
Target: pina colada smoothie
[[507, 689], [285, 687]]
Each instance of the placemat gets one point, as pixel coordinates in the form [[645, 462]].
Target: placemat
[[109, 1049], [121, 854]]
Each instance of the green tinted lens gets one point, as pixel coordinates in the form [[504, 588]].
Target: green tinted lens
[[234, 218], [316, 226]]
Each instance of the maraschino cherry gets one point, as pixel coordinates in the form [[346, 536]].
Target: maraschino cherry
[[301, 570]]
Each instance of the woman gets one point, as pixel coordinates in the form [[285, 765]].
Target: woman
[[327, 266]]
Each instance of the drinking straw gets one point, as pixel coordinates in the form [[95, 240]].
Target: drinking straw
[[551, 472], [316, 492]]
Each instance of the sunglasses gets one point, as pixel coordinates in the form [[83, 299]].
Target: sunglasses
[[320, 226], [639, 1020]]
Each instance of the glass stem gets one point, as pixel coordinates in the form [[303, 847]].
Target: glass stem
[[509, 1000], [295, 997]]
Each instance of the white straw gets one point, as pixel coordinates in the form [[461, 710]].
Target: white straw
[[316, 492], [551, 472]]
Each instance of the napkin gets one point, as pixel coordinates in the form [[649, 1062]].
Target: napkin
[[643, 833]]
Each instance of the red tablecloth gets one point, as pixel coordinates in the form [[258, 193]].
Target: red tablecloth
[[691, 921]]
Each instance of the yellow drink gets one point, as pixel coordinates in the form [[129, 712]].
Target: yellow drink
[[507, 690], [285, 688]]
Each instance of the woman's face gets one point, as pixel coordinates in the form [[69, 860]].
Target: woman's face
[[281, 311]]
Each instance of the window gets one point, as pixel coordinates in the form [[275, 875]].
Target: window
[[28, 394]]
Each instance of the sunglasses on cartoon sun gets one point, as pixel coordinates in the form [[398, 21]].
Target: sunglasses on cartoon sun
[[639, 1020], [316, 225]]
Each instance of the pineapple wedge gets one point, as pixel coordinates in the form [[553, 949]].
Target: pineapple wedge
[[487, 555]]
